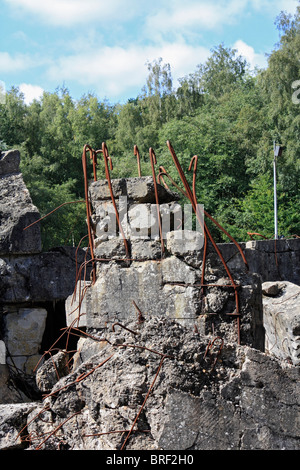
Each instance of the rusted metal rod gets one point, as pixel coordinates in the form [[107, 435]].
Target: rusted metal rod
[[137, 154], [163, 172], [107, 174], [153, 162], [255, 233], [88, 208], [122, 326], [144, 402], [141, 318], [56, 429], [195, 161], [193, 201], [54, 210]]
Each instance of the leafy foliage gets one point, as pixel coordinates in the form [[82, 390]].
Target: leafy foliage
[[223, 112]]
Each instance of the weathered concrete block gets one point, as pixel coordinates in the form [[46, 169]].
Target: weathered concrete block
[[110, 298], [76, 306], [187, 244], [40, 277], [13, 418], [142, 221], [281, 306], [144, 249], [170, 288], [275, 259], [110, 249], [138, 220], [9, 162], [24, 330], [136, 189], [16, 210]]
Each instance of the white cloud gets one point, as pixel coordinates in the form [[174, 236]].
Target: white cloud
[[15, 63], [30, 92], [276, 6], [100, 52], [73, 12], [2, 92], [195, 16], [113, 70], [254, 59]]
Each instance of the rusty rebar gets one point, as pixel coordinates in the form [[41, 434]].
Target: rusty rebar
[[193, 201], [163, 172], [153, 162], [210, 345], [195, 161], [256, 233], [107, 174], [56, 429], [54, 210], [141, 318], [121, 431], [88, 207], [46, 408], [122, 326], [144, 402], [137, 154]]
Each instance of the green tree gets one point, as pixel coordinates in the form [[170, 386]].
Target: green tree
[[282, 114], [255, 212], [12, 115], [222, 72], [158, 98]]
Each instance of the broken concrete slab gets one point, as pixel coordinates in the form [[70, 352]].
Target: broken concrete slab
[[16, 209], [139, 189], [13, 417], [236, 398], [281, 307], [46, 276], [9, 162], [16, 213], [275, 259]]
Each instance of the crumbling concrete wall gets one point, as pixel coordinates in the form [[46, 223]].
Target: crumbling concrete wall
[[274, 260], [157, 386], [161, 284], [30, 280]]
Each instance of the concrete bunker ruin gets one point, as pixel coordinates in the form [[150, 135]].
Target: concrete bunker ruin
[[129, 284]]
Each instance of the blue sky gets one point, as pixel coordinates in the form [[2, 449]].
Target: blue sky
[[102, 46]]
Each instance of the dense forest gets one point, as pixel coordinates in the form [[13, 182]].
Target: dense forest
[[223, 112]]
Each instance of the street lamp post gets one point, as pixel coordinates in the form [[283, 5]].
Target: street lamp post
[[277, 153]]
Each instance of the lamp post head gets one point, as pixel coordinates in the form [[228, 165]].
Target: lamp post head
[[277, 151]]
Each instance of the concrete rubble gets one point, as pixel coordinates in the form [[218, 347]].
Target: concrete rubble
[[16, 209], [33, 285], [241, 399], [281, 302], [157, 363]]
